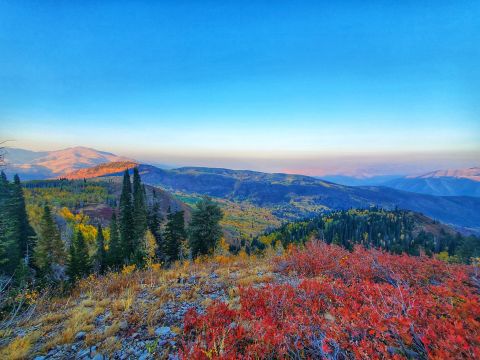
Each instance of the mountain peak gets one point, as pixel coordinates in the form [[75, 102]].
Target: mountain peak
[[57, 163]]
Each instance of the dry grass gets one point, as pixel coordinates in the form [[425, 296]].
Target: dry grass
[[20, 347], [58, 320]]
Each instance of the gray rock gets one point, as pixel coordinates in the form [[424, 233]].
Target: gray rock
[[83, 352], [98, 356], [123, 325], [80, 336], [162, 331], [40, 357]]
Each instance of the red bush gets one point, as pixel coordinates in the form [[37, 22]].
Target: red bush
[[366, 304]]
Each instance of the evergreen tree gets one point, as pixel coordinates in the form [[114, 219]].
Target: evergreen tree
[[82, 258], [9, 237], [153, 224], [78, 265], [100, 255], [49, 249], [174, 235], [126, 224], [72, 263], [139, 207], [114, 247], [205, 230], [26, 234]]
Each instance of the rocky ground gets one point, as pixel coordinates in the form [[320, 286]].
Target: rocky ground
[[133, 314]]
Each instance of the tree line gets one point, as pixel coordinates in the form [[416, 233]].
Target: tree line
[[137, 235], [394, 231]]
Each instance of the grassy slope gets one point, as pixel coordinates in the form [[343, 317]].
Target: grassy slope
[[137, 313]]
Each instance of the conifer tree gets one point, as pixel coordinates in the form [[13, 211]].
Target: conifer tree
[[139, 207], [72, 263], [82, 257], [9, 240], [100, 255], [126, 224], [78, 265], [50, 248], [174, 235], [205, 230], [26, 234], [114, 247], [153, 224]]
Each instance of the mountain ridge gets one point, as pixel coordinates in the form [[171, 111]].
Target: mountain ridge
[[40, 165]]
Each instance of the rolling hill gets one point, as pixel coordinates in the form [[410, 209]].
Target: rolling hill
[[296, 196]]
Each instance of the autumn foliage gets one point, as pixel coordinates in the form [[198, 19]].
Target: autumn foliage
[[328, 303]]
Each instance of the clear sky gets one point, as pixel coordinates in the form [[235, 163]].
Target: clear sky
[[311, 87]]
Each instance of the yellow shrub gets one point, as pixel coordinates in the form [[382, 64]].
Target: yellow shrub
[[128, 269]]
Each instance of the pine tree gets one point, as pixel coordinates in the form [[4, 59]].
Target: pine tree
[[153, 224], [174, 235], [26, 233], [114, 254], [139, 206], [205, 230], [100, 255], [72, 263], [82, 257], [50, 248], [126, 223], [9, 237]]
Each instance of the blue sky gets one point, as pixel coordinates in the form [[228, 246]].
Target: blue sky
[[273, 85]]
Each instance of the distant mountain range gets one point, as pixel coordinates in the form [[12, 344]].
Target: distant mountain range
[[37, 165], [288, 196], [461, 182]]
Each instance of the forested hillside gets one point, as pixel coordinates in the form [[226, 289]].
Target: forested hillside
[[291, 197], [397, 231]]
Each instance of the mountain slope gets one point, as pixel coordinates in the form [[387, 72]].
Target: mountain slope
[[472, 173], [100, 170], [459, 182], [441, 186], [294, 196], [49, 164]]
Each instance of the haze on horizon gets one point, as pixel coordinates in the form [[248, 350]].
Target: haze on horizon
[[314, 88]]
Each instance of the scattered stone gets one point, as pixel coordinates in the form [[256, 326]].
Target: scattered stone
[[83, 352], [98, 356], [162, 331], [80, 336], [40, 357], [123, 325]]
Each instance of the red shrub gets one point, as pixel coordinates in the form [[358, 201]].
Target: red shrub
[[366, 304]]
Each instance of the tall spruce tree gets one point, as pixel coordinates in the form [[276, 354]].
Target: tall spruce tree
[[9, 236], [174, 235], [72, 263], [50, 248], [114, 253], [139, 217], [79, 264], [205, 230], [100, 255], [83, 259], [26, 234], [126, 224], [153, 224]]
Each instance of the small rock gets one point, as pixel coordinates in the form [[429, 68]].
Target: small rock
[[80, 336], [162, 331], [82, 353], [40, 357], [98, 356], [123, 325]]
